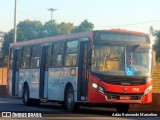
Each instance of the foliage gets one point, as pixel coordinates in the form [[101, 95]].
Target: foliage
[[8, 37], [50, 29], [28, 30], [84, 26], [3, 59], [65, 28], [156, 45]]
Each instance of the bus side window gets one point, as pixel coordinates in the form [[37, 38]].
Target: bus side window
[[18, 60], [57, 54], [11, 58], [26, 57], [71, 53], [35, 56]]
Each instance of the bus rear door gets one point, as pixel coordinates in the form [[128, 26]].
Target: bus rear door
[[44, 71], [15, 74]]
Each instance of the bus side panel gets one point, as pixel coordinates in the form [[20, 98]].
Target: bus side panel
[[10, 82], [58, 78], [31, 76]]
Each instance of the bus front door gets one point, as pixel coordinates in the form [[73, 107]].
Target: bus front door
[[44, 72], [83, 71], [15, 72]]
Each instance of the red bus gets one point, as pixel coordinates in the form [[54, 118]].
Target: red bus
[[98, 68]]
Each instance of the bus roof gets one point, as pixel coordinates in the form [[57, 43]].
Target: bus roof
[[50, 39], [69, 36]]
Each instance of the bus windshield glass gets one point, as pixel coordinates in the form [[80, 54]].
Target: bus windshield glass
[[110, 60], [138, 61]]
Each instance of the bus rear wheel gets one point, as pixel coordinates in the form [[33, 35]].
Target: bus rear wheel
[[122, 108], [35, 102], [26, 99], [70, 104]]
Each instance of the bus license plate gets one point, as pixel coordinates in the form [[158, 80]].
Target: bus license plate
[[125, 97]]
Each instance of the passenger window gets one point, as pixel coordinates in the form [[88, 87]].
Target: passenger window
[[57, 54], [35, 58], [71, 60], [71, 53], [11, 58], [25, 57], [18, 54], [72, 47]]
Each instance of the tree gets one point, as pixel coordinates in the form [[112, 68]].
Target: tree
[[28, 30], [8, 38], [1, 58], [50, 29], [84, 26], [65, 28], [156, 45]]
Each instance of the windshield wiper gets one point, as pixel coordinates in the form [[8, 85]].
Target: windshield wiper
[[134, 48]]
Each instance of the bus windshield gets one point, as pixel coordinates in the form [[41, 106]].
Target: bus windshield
[[110, 60], [138, 60]]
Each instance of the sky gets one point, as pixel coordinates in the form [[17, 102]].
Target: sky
[[135, 15]]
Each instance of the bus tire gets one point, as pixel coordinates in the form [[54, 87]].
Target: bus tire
[[70, 104], [35, 102], [122, 108], [26, 100]]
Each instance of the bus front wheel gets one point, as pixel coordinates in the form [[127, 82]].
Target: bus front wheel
[[70, 104], [122, 108]]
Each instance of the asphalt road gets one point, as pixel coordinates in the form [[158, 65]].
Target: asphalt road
[[14, 107]]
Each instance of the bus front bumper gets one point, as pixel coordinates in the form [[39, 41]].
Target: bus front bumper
[[132, 99]]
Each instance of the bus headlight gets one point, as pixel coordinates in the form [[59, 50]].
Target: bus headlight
[[94, 85], [147, 90], [99, 88]]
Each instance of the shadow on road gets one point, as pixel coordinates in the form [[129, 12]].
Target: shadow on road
[[58, 110]]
